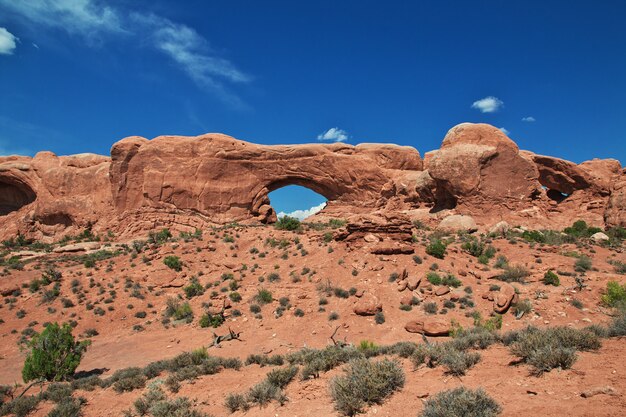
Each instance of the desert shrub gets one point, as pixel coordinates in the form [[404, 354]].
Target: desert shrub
[[550, 278], [546, 349], [282, 377], [127, 379], [522, 307], [430, 308], [437, 249], [264, 360], [264, 392], [333, 316], [581, 229], [211, 320], [316, 361], [456, 361], [264, 297], [461, 402], [142, 404], [173, 262], [236, 402], [22, 406], [69, 407], [615, 294], [88, 383], [451, 281], [379, 317], [179, 407], [57, 392], [288, 223], [417, 259], [617, 327], [515, 273], [365, 383], [501, 262], [194, 288], [583, 264], [54, 354], [159, 237], [178, 311], [433, 278]]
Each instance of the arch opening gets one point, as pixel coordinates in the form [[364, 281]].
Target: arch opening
[[296, 201], [14, 195]]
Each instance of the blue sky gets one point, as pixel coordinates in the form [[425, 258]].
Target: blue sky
[[78, 75]]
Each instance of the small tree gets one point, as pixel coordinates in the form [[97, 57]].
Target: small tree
[[54, 354], [288, 223]]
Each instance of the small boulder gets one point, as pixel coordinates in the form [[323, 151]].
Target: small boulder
[[413, 283], [458, 223], [429, 326], [442, 291], [504, 298], [402, 285], [500, 228], [367, 306], [406, 300], [371, 238], [599, 237]]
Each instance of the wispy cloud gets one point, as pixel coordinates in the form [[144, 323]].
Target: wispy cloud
[[505, 131], [529, 119], [489, 104], [334, 134], [303, 214], [7, 42], [87, 18], [94, 21]]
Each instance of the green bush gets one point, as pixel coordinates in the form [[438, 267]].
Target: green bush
[[615, 294], [461, 402], [582, 264], [54, 354], [211, 320], [178, 310], [264, 297], [194, 288], [288, 223], [173, 262], [365, 383], [433, 278], [515, 273], [550, 278], [546, 349], [437, 249]]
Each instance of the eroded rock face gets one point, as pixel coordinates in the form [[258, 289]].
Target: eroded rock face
[[193, 182], [47, 194]]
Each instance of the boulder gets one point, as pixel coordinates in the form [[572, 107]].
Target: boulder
[[391, 249], [429, 326], [500, 229], [600, 237], [442, 291], [368, 305], [504, 298], [458, 223], [413, 282]]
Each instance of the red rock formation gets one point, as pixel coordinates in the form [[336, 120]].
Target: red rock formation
[[188, 182]]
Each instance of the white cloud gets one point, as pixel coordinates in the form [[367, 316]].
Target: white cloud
[[528, 119], [506, 132], [489, 104], [84, 17], [303, 214], [7, 42], [92, 20], [334, 134]]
